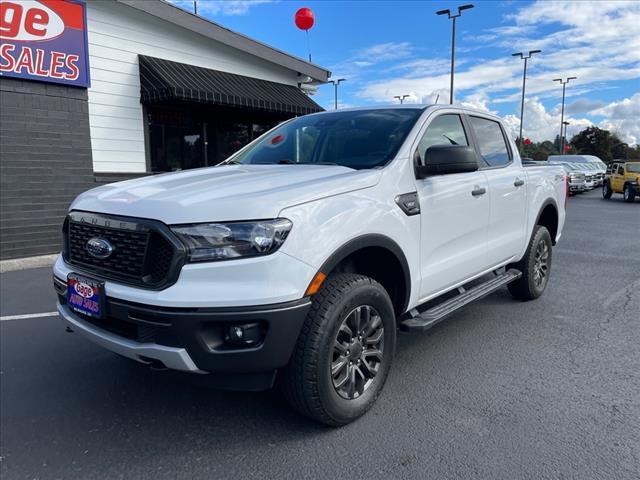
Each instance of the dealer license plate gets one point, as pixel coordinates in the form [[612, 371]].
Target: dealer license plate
[[85, 295]]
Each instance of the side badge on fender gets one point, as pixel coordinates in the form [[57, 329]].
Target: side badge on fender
[[409, 203]]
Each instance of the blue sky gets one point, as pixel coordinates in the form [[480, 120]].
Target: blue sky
[[387, 48]]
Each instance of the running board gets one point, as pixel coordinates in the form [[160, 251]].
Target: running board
[[429, 318]]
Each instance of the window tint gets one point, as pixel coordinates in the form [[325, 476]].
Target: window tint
[[491, 141], [443, 130], [620, 169]]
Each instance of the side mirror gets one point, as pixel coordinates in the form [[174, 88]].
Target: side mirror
[[443, 159]]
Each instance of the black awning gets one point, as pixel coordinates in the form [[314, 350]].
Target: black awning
[[162, 80]]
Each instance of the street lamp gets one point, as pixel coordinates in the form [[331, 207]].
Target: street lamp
[[564, 86], [401, 98], [524, 80], [335, 90], [453, 38], [565, 123]]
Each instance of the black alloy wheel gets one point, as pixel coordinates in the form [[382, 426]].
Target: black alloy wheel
[[357, 352]]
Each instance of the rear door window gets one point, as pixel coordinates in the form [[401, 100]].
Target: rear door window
[[491, 141]]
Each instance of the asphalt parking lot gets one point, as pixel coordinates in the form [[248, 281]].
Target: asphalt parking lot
[[546, 389]]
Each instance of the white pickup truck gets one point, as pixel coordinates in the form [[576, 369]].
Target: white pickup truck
[[299, 258]]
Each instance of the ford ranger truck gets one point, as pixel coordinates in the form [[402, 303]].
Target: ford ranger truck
[[298, 259]]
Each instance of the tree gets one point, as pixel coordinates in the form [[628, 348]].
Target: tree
[[540, 154], [601, 143]]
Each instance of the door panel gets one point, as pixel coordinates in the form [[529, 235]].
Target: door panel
[[453, 229], [617, 177], [507, 220]]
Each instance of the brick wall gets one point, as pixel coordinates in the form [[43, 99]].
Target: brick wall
[[45, 161]]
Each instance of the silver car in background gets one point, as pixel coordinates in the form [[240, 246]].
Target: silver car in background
[[577, 182], [591, 166]]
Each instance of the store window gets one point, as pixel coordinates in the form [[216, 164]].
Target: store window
[[181, 138], [176, 142]]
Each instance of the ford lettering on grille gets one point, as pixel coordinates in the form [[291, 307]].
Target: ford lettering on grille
[[99, 248]]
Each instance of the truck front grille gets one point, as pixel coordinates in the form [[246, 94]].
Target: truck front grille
[[145, 252]]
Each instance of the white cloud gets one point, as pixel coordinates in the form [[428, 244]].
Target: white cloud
[[583, 105], [540, 124], [220, 7], [361, 61], [623, 117], [385, 51]]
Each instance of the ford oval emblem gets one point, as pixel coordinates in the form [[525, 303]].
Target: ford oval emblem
[[99, 248]]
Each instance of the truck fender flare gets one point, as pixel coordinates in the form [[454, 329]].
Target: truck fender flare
[[371, 240], [545, 204]]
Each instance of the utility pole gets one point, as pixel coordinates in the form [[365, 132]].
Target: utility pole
[[524, 82], [453, 39], [335, 90], [564, 86], [401, 98]]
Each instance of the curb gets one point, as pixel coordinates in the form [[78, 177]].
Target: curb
[[26, 263]]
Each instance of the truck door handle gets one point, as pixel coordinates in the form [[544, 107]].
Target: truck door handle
[[477, 191], [518, 183]]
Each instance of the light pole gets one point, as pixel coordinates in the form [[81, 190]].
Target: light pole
[[564, 86], [524, 81], [335, 90], [453, 39], [565, 123], [401, 98]]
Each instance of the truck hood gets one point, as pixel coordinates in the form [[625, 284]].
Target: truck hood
[[227, 193]]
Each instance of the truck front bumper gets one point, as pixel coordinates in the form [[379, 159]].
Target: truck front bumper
[[195, 339]]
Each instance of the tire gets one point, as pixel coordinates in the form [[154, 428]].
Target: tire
[[629, 194], [308, 381], [530, 286], [606, 191]]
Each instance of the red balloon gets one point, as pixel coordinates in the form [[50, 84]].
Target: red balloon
[[304, 18]]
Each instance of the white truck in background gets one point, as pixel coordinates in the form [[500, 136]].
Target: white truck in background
[[299, 257]]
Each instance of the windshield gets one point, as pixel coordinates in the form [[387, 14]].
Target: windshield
[[355, 139], [633, 167]]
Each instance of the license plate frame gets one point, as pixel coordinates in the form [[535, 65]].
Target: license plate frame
[[86, 295]]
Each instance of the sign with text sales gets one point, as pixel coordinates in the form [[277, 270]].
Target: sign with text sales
[[44, 40]]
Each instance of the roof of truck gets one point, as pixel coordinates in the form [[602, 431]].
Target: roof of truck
[[415, 106]]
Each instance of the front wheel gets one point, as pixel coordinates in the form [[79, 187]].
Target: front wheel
[[606, 191], [344, 351], [629, 193], [535, 266]]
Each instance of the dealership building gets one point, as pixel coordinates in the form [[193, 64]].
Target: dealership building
[[108, 90]]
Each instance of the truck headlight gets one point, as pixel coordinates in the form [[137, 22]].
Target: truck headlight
[[208, 242]]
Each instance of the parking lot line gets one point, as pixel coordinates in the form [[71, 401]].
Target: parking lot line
[[28, 315]]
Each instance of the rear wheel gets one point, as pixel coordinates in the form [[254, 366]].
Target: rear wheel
[[606, 191], [629, 193], [535, 266], [344, 352]]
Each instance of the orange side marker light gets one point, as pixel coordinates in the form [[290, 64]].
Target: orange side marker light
[[315, 284]]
